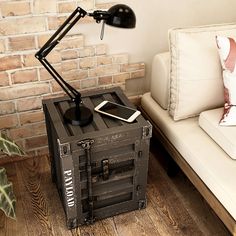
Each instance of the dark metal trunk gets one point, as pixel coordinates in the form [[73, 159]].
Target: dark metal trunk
[[100, 169]]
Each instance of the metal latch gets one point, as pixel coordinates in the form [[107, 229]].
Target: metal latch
[[105, 169]]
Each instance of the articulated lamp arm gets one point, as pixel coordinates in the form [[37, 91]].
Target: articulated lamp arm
[[118, 15], [51, 44]]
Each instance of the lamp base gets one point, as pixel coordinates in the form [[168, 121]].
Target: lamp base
[[82, 117]]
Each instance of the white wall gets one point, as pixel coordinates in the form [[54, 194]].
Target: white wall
[[154, 18]]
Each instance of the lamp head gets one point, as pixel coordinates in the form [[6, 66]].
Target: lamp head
[[119, 15], [122, 16]]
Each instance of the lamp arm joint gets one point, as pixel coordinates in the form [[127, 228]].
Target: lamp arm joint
[[99, 15]]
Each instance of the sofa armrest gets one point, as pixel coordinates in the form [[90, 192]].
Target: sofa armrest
[[160, 79]]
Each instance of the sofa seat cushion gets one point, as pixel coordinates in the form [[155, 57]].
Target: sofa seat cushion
[[213, 166], [224, 136]]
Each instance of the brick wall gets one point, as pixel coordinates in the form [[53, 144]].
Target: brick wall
[[25, 25]]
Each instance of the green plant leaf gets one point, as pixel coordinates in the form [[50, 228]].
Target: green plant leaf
[[7, 197], [9, 147]]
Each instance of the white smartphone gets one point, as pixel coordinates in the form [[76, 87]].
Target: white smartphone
[[118, 111]]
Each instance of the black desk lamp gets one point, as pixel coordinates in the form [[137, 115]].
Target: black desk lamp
[[118, 15]]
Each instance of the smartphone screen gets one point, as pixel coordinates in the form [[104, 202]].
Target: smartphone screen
[[116, 110]]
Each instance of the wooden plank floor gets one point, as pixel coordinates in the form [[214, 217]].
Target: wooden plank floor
[[174, 206]]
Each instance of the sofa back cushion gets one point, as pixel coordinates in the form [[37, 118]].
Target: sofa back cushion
[[195, 72]]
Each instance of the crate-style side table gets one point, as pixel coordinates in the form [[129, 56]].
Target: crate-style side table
[[100, 170]]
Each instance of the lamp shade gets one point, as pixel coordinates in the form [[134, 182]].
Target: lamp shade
[[122, 16]]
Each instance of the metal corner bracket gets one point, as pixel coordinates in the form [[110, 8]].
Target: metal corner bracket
[[64, 149], [147, 131]]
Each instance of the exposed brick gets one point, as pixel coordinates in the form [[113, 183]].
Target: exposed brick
[[87, 63], [21, 43], [101, 49], [55, 87], [69, 42], [120, 58], [104, 60], [69, 65], [105, 5], [61, 19], [36, 142], [119, 78], [86, 4], [73, 41], [76, 84], [54, 95], [10, 62], [88, 83], [66, 7], [22, 25], [132, 67], [122, 86], [45, 75], [42, 39], [27, 131], [75, 75], [104, 70], [2, 46], [44, 6], [86, 52], [23, 91], [4, 80], [28, 104], [54, 57], [15, 8], [69, 54], [55, 22], [31, 117], [8, 121], [7, 108], [105, 80], [23, 76], [86, 20], [30, 60], [138, 74]]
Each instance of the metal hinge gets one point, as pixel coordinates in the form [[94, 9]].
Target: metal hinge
[[147, 131]]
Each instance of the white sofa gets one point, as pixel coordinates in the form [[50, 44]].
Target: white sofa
[[186, 82]]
